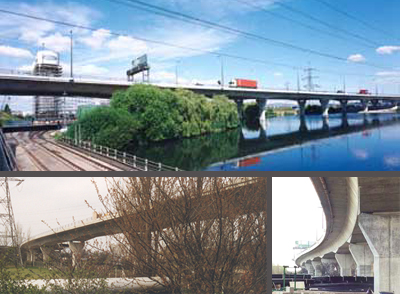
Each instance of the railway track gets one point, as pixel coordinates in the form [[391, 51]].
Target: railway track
[[46, 155], [70, 150]]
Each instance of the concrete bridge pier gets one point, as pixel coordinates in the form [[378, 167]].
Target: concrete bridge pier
[[375, 102], [325, 123], [324, 106], [345, 121], [343, 104], [382, 233], [363, 258], [77, 250], [46, 251], [302, 106], [331, 266], [239, 104], [346, 264], [309, 267], [32, 256], [364, 105], [318, 267], [262, 103]]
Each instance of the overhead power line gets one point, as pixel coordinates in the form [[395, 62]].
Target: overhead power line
[[243, 33], [215, 53], [300, 23], [334, 27], [357, 19]]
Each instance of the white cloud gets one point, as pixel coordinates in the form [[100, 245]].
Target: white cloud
[[126, 45], [91, 69], [387, 77], [15, 52], [388, 74], [26, 67], [356, 58], [56, 42], [387, 49], [96, 39], [30, 30], [278, 74], [191, 37]]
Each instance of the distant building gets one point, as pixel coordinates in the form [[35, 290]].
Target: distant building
[[47, 63]]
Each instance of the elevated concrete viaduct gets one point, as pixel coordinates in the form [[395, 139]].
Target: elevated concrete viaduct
[[30, 85], [74, 236], [363, 230]]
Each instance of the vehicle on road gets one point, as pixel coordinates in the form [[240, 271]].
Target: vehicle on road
[[242, 83], [363, 91]]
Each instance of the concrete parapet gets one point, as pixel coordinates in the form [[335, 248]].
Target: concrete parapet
[[363, 258], [346, 263], [382, 233]]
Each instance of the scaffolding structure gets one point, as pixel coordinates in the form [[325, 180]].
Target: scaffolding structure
[[8, 229]]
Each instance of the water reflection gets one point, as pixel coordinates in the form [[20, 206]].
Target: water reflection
[[289, 143]]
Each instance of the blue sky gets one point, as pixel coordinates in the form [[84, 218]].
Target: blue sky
[[102, 54]]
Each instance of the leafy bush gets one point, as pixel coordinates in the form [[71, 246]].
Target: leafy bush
[[145, 113]]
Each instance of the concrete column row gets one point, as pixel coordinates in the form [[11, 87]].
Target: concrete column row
[[379, 257], [76, 249], [382, 233]]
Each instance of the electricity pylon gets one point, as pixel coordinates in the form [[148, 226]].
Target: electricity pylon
[[8, 230]]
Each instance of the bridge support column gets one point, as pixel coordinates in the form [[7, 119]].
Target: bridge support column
[[364, 104], [262, 103], [310, 268], [382, 233], [77, 250], [343, 103], [318, 268], [364, 259], [324, 106], [31, 256], [303, 124], [331, 266], [302, 107], [239, 104], [46, 251], [346, 264], [325, 123]]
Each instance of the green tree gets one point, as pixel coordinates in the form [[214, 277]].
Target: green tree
[[7, 109]]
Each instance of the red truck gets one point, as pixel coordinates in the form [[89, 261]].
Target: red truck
[[363, 91], [242, 83]]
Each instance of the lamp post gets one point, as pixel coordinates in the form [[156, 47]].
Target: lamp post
[[71, 68], [65, 109], [222, 71], [176, 71], [295, 274], [284, 276]]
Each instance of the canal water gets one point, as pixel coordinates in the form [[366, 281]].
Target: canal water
[[351, 142]]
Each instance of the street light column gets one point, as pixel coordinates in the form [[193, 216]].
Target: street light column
[[71, 68]]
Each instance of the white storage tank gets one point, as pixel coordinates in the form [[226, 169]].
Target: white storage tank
[[47, 63]]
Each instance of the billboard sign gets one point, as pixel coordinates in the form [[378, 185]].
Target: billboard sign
[[140, 61], [138, 65]]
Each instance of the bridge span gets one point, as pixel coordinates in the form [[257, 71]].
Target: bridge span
[[362, 235], [30, 85], [75, 235]]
